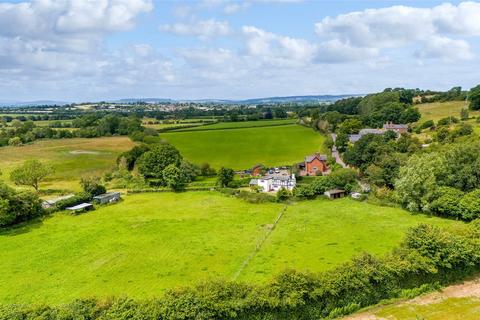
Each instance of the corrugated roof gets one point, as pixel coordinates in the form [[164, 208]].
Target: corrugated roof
[[80, 206]]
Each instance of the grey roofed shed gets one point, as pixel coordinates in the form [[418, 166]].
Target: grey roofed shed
[[107, 197], [81, 207]]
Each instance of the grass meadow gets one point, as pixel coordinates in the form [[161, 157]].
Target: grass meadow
[[438, 110], [245, 147], [241, 124], [150, 242], [71, 158]]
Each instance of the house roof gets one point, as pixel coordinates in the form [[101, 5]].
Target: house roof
[[253, 181], [395, 126], [80, 206], [354, 137], [320, 157], [372, 131], [277, 177]]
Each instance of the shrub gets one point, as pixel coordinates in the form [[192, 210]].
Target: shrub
[[16, 207], [92, 186], [76, 199]]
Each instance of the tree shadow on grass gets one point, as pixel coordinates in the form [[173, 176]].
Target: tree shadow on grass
[[23, 227]]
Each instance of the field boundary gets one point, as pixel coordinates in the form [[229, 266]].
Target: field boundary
[[259, 245], [232, 128]]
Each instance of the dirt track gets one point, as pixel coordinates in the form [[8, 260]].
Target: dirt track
[[466, 289]]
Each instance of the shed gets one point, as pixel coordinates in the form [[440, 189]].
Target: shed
[[335, 193], [50, 203], [108, 197], [81, 207]]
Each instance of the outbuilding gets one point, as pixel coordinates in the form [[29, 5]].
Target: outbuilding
[[52, 202], [335, 193], [81, 207], [108, 197]]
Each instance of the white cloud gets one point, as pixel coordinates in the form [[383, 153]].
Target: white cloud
[[276, 48], [446, 49], [400, 26], [203, 29]]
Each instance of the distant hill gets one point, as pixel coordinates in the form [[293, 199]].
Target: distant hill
[[267, 100], [32, 103], [298, 99]]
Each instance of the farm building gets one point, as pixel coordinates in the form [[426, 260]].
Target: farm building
[[335, 193], [389, 126], [313, 165], [50, 203], [107, 197], [81, 207], [398, 128], [275, 182]]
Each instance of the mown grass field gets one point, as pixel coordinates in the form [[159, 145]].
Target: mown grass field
[[243, 148], [438, 110], [242, 124], [150, 242], [70, 158]]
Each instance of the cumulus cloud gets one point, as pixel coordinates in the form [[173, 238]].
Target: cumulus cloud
[[203, 29], [398, 26], [445, 49], [276, 48]]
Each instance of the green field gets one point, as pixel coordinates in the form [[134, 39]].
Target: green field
[[71, 158], [438, 110], [243, 148], [150, 242], [242, 124]]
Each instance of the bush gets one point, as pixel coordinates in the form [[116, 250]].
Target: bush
[[16, 207], [76, 199], [92, 186]]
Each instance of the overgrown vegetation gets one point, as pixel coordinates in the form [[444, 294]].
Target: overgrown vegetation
[[427, 255]]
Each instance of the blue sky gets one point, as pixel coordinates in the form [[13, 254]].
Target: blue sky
[[86, 50]]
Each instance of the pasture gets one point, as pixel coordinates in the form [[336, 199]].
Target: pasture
[[154, 241], [242, 124], [438, 110], [71, 158], [245, 147]]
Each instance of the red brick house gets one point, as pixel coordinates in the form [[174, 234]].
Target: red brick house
[[313, 165], [256, 170]]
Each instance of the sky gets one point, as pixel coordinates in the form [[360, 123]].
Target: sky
[[92, 50]]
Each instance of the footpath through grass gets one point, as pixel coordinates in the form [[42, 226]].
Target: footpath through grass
[[243, 148], [151, 242]]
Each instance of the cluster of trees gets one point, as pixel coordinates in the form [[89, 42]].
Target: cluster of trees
[[341, 178], [444, 182], [348, 116], [378, 157], [89, 126], [162, 164], [427, 256], [454, 94], [18, 206]]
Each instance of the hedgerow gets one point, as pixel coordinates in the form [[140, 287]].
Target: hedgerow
[[427, 257]]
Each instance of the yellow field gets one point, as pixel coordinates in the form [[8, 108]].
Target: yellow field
[[438, 110]]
